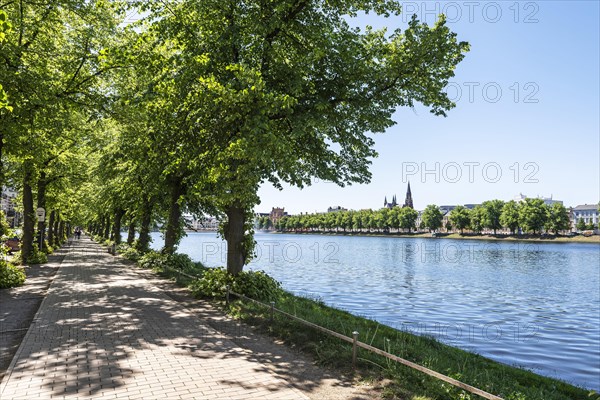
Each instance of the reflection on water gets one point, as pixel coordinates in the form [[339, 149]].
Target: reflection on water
[[527, 304]]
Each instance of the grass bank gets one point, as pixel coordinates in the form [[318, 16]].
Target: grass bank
[[400, 382], [397, 380]]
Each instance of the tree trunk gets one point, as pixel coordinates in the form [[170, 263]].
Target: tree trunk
[[101, 226], [41, 203], [61, 230], [117, 225], [51, 228], [28, 218], [144, 239], [106, 233], [57, 239], [234, 234], [131, 232], [173, 232]]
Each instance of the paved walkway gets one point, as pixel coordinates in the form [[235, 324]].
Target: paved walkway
[[105, 332]]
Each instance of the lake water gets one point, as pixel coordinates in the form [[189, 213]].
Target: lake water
[[527, 304]]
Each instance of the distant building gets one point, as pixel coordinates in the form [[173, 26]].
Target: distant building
[[547, 200], [587, 212], [390, 205], [276, 214], [204, 223], [408, 202], [446, 209], [336, 209], [519, 198]]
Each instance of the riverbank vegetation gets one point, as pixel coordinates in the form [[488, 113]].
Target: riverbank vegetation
[[398, 381], [530, 216]]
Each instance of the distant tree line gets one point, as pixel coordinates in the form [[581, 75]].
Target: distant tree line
[[529, 216]]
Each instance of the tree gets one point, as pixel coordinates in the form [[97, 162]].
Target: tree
[[432, 217], [288, 93], [533, 215], [558, 218], [478, 218], [510, 216], [50, 62], [591, 226], [408, 218], [460, 217], [5, 28], [448, 226], [581, 225], [493, 212]]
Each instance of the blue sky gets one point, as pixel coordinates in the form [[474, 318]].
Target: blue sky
[[526, 121]]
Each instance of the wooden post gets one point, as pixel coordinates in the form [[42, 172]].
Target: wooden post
[[354, 348]]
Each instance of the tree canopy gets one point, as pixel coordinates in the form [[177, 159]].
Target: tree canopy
[[196, 105]]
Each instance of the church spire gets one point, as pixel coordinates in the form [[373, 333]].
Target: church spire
[[385, 202], [409, 201]]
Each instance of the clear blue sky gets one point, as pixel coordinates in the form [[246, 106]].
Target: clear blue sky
[[544, 57]]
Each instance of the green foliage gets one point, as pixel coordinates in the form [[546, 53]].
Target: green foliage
[[533, 214], [558, 218], [5, 27], [493, 212], [47, 248], [581, 225], [10, 275], [153, 260], [254, 284], [407, 218], [478, 218], [129, 252], [432, 217], [161, 261], [460, 218], [5, 230], [36, 257], [510, 216]]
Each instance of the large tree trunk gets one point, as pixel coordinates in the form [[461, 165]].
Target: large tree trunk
[[144, 239], [117, 225], [51, 228], [41, 203], [173, 232], [131, 232], [234, 234], [28, 217]]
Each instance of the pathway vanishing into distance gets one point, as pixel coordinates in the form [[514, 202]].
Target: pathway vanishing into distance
[[105, 331]]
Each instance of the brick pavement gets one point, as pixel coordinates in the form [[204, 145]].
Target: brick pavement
[[105, 332]]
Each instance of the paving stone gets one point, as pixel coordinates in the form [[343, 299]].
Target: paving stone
[[104, 332]]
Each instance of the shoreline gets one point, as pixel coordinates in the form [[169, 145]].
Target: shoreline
[[595, 239]]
